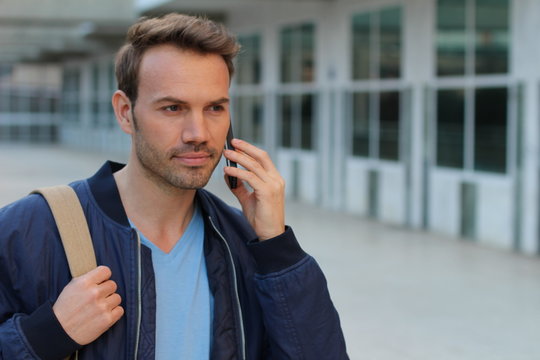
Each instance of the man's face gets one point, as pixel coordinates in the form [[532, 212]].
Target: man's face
[[181, 116]]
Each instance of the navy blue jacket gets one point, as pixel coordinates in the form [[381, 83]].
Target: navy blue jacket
[[270, 298]]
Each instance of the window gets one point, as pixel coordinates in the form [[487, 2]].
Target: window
[[297, 100], [377, 44], [486, 149], [297, 121], [111, 85], [298, 53], [490, 129], [95, 95], [249, 60], [361, 124], [248, 118], [389, 110], [472, 37], [248, 104], [376, 124], [450, 128], [492, 38], [472, 120], [376, 108], [102, 86], [70, 95]]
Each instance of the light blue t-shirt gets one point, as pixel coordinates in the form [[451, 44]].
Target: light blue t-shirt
[[184, 301]]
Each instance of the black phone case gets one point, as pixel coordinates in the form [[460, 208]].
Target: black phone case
[[233, 181]]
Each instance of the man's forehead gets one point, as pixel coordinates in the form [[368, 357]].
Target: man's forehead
[[167, 71], [174, 55]]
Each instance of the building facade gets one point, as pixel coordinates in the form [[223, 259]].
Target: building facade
[[417, 113]]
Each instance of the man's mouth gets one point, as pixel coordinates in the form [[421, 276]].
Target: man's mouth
[[193, 158]]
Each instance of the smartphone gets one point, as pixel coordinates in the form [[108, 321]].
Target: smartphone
[[233, 181]]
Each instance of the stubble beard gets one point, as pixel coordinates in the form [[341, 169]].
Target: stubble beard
[[162, 169]]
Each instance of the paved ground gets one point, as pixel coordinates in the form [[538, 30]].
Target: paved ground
[[401, 294]]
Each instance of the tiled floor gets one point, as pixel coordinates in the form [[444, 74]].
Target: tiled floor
[[401, 294]]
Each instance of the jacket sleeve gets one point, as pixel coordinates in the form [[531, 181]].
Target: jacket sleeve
[[12, 344], [300, 318], [28, 327]]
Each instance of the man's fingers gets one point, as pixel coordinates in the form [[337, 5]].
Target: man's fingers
[[259, 155], [113, 300], [254, 180], [248, 163], [107, 288], [117, 313], [97, 275]]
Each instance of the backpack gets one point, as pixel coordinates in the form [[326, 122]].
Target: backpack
[[72, 226]]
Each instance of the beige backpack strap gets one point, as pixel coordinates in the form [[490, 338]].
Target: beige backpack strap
[[72, 226]]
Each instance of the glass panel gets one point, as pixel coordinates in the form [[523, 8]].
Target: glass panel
[[491, 127], [492, 36], [390, 46], [308, 51], [249, 70], [95, 95], [307, 122], [286, 121], [389, 125], [451, 37], [361, 46], [248, 118], [111, 120], [257, 115], [286, 55], [238, 118], [111, 78], [450, 128], [360, 124], [35, 102]]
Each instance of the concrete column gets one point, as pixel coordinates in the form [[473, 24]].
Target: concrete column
[[418, 60], [524, 61]]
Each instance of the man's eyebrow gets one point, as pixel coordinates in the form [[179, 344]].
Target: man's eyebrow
[[170, 99], [223, 100]]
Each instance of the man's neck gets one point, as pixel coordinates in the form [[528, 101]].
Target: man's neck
[[161, 213]]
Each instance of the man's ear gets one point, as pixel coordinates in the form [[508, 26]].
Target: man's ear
[[123, 111]]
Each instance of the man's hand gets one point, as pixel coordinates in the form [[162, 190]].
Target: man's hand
[[264, 207], [89, 305]]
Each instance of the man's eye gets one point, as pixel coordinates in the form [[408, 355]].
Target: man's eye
[[172, 108], [216, 108]]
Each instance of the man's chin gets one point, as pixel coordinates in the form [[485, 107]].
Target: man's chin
[[193, 182]]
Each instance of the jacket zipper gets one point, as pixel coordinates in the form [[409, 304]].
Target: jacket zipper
[[139, 297], [235, 286]]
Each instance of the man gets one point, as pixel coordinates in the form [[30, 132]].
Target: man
[[181, 275]]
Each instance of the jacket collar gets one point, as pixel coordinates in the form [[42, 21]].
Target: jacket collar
[[104, 189]]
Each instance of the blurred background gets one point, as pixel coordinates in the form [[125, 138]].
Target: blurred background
[[421, 115]]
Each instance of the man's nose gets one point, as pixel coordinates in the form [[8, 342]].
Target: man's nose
[[195, 129]]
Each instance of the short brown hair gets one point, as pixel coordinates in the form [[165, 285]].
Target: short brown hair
[[187, 32]]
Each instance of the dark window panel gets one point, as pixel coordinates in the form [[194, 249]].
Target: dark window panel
[[360, 124], [249, 59], [286, 51], [390, 43], [491, 128], [492, 36], [361, 46], [451, 37], [257, 114], [286, 121], [307, 32], [389, 112], [307, 128], [450, 128]]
